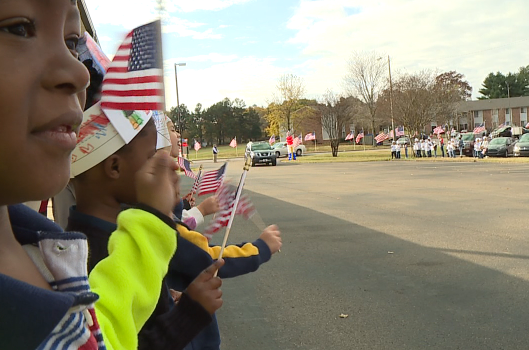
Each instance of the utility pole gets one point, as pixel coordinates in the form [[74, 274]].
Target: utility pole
[[180, 126], [391, 101]]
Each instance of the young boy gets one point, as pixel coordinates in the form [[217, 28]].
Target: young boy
[[102, 190], [239, 259], [47, 302]]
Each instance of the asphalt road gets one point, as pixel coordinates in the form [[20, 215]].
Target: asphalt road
[[419, 255]]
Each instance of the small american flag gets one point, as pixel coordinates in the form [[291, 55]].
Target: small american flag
[[359, 137], [311, 136], [226, 196], [197, 145], [297, 141], [211, 180], [197, 181], [381, 137], [438, 130], [400, 131], [479, 129], [186, 167], [350, 136], [272, 140], [134, 80], [233, 142]]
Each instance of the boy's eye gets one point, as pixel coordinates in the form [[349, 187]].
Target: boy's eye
[[71, 43], [24, 29]]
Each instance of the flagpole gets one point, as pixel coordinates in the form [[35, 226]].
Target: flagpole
[[237, 197], [194, 189]]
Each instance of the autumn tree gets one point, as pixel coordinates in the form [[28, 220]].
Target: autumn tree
[[336, 114], [365, 79], [449, 89], [290, 88]]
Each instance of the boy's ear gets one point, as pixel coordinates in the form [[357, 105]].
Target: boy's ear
[[112, 166]]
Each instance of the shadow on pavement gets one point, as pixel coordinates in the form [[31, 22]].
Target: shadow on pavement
[[397, 294]]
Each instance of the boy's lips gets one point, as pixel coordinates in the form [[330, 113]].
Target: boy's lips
[[61, 131]]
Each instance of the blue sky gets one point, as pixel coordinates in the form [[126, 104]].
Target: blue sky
[[239, 48]]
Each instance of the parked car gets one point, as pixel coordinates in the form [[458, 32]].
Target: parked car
[[281, 150], [521, 148], [260, 153], [403, 140], [468, 139], [501, 147]]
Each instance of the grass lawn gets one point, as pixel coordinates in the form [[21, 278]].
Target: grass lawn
[[347, 153]]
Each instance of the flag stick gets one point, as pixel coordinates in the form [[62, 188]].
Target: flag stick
[[237, 197], [193, 189]]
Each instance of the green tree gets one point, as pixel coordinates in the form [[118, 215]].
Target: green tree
[[501, 86]]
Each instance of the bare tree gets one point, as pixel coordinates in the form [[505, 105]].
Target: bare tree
[[336, 114], [291, 89], [415, 100], [365, 79]]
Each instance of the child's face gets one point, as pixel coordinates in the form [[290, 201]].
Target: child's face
[[41, 81], [134, 156], [175, 139]]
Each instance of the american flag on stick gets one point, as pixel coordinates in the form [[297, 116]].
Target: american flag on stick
[[134, 80], [438, 130], [185, 165], [211, 180], [272, 140], [381, 137], [359, 137], [479, 129], [311, 136], [197, 181], [297, 141], [226, 196], [350, 136]]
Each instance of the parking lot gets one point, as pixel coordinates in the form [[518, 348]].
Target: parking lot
[[413, 255]]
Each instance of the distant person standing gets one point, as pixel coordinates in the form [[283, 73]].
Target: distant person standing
[[215, 153], [397, 149], [393, 150], [429, 146], [417, 148], [461, 146], [423, 148], [442, 145]]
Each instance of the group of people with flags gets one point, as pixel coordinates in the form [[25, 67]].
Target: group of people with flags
[[125, 271]]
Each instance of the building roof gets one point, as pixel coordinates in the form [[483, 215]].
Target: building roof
[[496, 103], [86, 20]]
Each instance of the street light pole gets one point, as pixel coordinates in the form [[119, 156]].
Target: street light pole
[[509, 103], [178, 107], [391, 101]]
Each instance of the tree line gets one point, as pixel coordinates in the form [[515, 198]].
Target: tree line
[[372, 100]]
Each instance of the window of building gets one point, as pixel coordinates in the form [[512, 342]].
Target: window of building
[[524, 109]]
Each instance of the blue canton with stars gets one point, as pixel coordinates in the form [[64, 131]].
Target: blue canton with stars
[[145, 51]]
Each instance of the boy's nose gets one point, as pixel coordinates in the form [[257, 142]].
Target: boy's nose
[[66, 73]]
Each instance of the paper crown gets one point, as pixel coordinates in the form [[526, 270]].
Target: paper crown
[[163, 139], [126, 92], [100, 136]]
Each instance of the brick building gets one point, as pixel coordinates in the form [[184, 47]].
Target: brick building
[[493, 112]]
